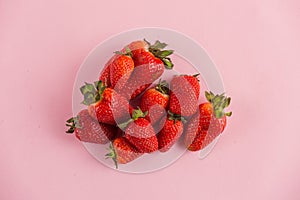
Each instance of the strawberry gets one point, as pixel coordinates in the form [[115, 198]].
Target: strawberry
[[122, 152], [140, 132], [208, 123], [121, 68], [149, 66], [155, 102], [89, 130], [185, 90], [170, 133], [105, 104], [105, 73], [136, 47]]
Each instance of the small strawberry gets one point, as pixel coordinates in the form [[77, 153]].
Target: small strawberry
[[171, 132], [185, 90], [89, 130], [121, 68], [208, 123], [122, 152], [140, 132], [155, 102], [105, 104], [149, 66]]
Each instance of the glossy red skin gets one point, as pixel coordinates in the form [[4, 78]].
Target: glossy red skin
[[184, 95], [125, 152], [203, 128], [92, 131], [120, 70], [136, 48], [111, 109], [105, 73], [169, 134], [141, 134], [147, 69], [155, 103]]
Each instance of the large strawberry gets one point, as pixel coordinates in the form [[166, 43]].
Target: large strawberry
[[155, 101], [88, 129], [170, 133], [122, 152], [149, 66], [105, 104], [121, 68], [140, 132], [184, 96], [208, 123]]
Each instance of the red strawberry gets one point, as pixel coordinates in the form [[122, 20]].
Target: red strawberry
[[140, 132], [105, 104], [122, 152], [170, 133], [121, 68], [155, 102], [89, 130], [136, 47], [105, 73], [185, 90], [149, 66], [208, 123]]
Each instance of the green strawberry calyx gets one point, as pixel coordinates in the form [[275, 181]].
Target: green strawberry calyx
[[157, 50], [219, 103], [126, 53], [176, 117], [92, 92], [137, 113], [163, 87], [72, 123], [112, 154]]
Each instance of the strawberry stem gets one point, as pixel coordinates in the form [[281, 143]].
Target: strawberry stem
[[176, 117], [196, 75], [136, 113], [92, 92], [163, 87], [72, 123], [126, 53], [157, 50], [112, 154], [125, 124], [219, 103]]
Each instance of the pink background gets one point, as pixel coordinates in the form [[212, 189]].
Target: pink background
[[255, 45]]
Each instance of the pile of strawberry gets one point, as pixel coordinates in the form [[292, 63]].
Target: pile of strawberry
[[136, 119]]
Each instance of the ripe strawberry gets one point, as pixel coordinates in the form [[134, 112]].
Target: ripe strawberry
[[89, 130], [122, 152], [105, 104], [105, 73], [208, 123], [155, 102], [185, 90], [170, 133], [149, 66], [121, 68], [136, 47], [140, 132]]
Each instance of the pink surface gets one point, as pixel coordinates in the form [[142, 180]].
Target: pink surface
[[255, 45]]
